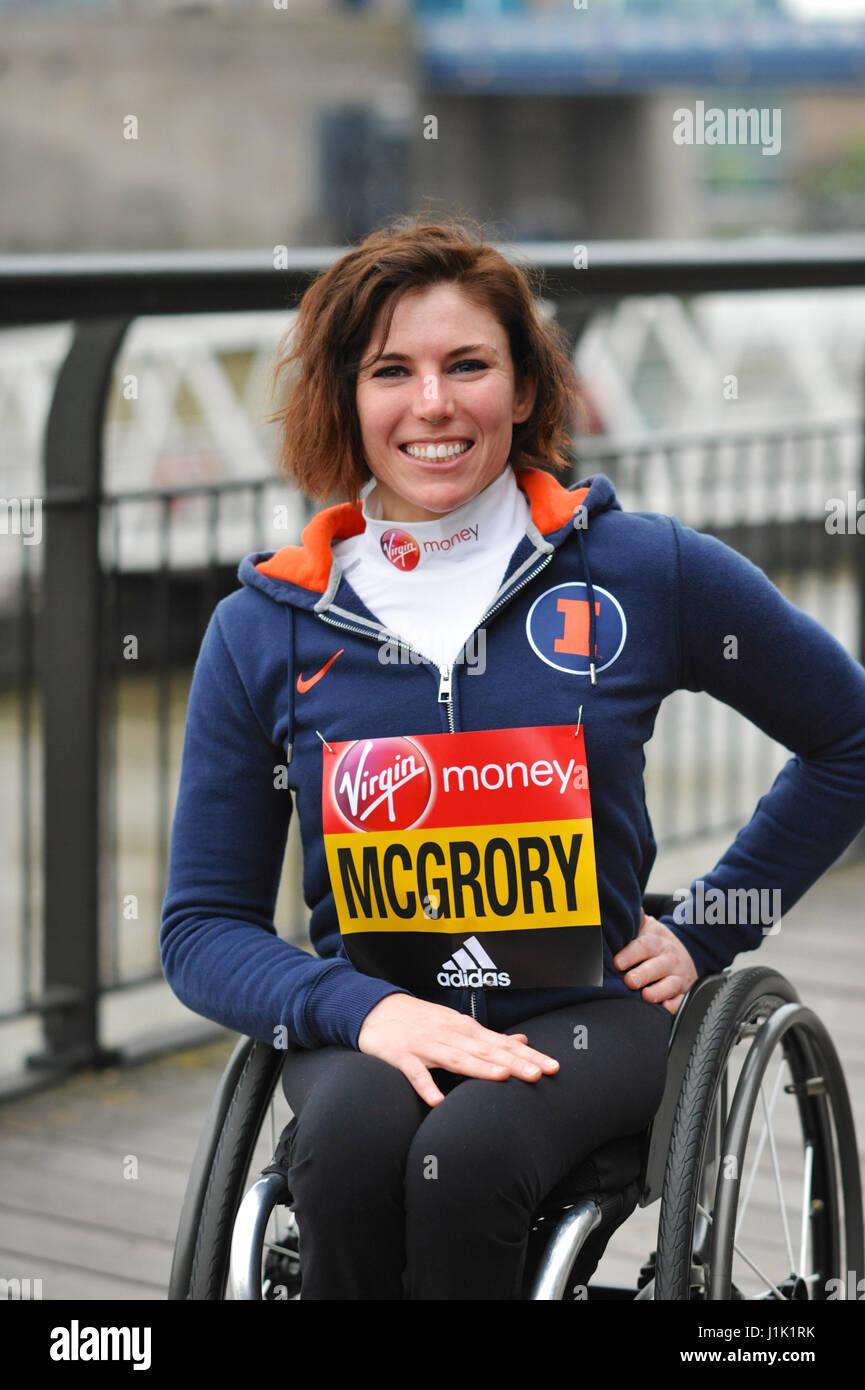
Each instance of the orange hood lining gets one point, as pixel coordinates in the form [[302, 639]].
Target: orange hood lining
[[309, 564]]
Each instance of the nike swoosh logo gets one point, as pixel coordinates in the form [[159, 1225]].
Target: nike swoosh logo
[[304, 685]]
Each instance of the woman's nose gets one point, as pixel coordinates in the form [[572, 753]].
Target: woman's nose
[[433, 398]]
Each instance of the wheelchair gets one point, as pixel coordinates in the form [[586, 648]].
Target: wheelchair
[[716, 1154]]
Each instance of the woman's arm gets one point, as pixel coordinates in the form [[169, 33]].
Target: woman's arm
[[220, 951], [791, 678]]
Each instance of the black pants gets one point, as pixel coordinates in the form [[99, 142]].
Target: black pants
[[396, 1199]]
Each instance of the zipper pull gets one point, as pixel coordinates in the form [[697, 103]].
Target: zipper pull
[[445, 686]]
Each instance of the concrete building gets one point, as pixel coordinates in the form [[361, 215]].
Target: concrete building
[[151, 124]]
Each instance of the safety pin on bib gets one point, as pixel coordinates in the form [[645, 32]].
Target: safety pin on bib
[[579, 721], [324, 741]]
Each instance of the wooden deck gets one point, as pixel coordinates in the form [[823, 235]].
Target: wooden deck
[[68, 1213], [74, 1214]]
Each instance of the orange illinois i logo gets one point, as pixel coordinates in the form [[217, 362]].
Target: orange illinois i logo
[[557, 627], [575, 636]]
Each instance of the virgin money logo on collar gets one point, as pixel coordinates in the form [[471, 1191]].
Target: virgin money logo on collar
[[468, 533], [557, 626], [400, 548], [382, 784]]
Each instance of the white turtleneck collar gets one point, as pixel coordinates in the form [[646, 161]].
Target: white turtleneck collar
[[431, 582], [417, 550]]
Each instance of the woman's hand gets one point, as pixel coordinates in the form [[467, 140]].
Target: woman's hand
[[414, 1035], [664, 971]]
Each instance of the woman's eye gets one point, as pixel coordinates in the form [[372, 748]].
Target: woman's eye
[[473, 364]]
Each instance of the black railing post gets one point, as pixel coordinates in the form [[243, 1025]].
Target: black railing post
[[855, 852], [858, 543], [70, 670]]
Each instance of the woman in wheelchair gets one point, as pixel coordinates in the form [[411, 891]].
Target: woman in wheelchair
[[455, 674]]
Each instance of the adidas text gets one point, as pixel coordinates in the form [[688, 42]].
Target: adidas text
[[473, 979]]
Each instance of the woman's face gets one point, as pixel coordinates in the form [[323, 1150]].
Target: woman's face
[[446, 378]]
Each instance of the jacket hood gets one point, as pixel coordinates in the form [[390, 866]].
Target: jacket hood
[[302, 574], [305, 575]]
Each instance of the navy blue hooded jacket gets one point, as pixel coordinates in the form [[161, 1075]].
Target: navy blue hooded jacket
[[293, 656]]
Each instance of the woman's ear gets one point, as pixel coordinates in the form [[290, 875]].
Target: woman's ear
[[525, 397]]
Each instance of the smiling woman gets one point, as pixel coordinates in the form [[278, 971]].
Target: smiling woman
[[475, 850], [422, 338], [437, 428]]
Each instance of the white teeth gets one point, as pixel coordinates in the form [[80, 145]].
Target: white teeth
[[437, 451]]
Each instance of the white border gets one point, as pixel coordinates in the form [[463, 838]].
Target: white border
[[576, 584]]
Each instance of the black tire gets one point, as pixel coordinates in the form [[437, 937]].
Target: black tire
[[704, 1171], [219, 1174]]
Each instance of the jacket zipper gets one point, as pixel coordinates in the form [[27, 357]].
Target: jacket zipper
[[506, 598], [445, 694]]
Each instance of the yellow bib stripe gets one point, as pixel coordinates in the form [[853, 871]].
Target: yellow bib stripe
[[498, 877]]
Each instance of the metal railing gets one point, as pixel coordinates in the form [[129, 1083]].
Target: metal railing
[[75, 606]]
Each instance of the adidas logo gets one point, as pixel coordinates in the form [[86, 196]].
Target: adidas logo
[[471, 966]]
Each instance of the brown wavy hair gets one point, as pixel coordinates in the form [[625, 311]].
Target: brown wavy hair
[[320, 447]]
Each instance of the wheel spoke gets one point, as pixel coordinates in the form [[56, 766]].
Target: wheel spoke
[[806, 1206], [770, 1284], [743, 1205], [777, 1172]]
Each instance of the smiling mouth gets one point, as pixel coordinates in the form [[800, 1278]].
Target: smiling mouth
[[435, 453]]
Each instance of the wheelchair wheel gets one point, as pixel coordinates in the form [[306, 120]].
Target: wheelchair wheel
[[761, 1197], [246, 1119]]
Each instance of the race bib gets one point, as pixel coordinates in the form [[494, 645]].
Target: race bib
[[465, 859]]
